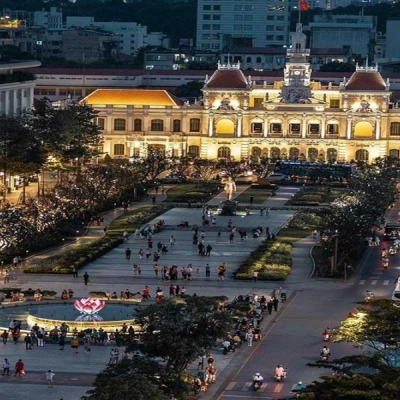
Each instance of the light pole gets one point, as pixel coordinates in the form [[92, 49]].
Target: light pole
[[335, 260]]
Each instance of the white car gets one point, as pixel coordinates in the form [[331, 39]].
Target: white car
[[277, 177]]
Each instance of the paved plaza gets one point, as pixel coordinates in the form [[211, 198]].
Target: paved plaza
[[113, 272]]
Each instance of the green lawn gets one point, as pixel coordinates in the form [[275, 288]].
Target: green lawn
[[121, 224], [323, 195], [191, 192], [292, 235], [260, 195]]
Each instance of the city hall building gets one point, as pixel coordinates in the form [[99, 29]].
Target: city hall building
[[294, 118]]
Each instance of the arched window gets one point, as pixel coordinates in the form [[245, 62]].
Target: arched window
[[119, 124], [224, 152], [176, 125], [194, 125], [194, 151], [256, 152], [312, 154], [119, 150], [294, 153], [137, 125], [157, 125], [275, 153], [331, 155], [257, 127], [258, 59], [362, 155], [248, 59]]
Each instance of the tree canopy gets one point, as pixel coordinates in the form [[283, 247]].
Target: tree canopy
[[177, 332]]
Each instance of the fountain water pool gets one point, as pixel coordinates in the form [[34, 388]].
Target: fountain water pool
[[111, 317]]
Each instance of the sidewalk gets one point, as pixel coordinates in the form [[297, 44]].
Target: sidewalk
[[114, 271]]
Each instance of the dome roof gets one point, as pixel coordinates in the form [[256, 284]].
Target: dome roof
[[227, 78], [367, 79]]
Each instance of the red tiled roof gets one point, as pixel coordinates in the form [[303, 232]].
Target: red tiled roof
[[366, 80], [227, 79]]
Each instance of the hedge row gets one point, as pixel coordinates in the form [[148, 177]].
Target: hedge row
[[272, 260], [28, 292], [77, 258]]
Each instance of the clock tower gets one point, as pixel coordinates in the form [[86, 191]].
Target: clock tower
[[297, 69]]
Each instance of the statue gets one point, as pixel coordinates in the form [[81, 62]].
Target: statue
[[229, 187]]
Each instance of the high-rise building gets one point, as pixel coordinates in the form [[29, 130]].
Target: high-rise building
[[225, 24]]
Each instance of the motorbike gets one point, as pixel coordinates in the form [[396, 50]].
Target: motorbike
[[281, 376], [257, 385], [326, 337], [283, 297], [369, 296], [325, 356], [231, 348]]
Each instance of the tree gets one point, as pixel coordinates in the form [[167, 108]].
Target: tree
[[145, 378], [337, 66], [148, 168], [376, 326], [190, 89], [68, 132], [203, 170], [355, 377], [177, 332]]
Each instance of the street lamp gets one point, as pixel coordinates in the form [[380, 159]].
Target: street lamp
[[335, 260]]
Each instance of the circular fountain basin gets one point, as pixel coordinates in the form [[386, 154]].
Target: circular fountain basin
[[113, 317]]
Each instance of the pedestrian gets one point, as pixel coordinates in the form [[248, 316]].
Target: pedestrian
[[125, 236], [172, 290], [270, 305], [208, 270], [86, 278], [254, 276], [6, 367], [61, 342], [75, 344], [139, 270], [128, 253], [87, 345], [6, 276], [49, 378], [231, 237], [40, 337], [172, 241], [148, 252], [28, 342], [4, 337], [251, 199], [212, 373], [275, 303], [249, 337], [219, 233], [141, 254], [155, 269], [208, 250], [19, 368], [135, 269], [261, 212], [74, 272], [177, 290], [183, 291], [153, 199]]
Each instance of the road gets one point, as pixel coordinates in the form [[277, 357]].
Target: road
[[294, 337]]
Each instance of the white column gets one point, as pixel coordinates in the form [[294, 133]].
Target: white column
[[239, 126], [378, 128], [210, 126], [265, 133], [303, 127], [323, 128], [348, 129]]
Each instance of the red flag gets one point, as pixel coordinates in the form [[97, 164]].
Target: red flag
[[304, 6]]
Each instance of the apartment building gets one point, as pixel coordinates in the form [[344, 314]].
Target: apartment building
[[225, 24]]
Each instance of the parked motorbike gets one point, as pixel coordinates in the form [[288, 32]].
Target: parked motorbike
[[283, 297]]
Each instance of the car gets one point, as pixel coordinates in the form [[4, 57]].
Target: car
[[277, 177]]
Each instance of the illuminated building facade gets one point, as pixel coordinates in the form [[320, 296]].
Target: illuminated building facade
[[293, 118]]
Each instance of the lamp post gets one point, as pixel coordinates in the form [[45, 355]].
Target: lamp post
[[335, 260]]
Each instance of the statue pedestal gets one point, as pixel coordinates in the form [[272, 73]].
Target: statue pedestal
[[227, 207]]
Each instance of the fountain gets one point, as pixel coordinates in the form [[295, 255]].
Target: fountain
[[82, 314]]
